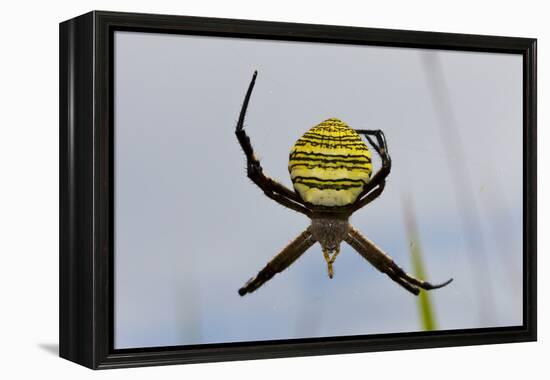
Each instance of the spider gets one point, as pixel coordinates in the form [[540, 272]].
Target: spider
[[330, 167]]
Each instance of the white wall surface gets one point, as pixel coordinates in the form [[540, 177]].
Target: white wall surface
[[29, 191]]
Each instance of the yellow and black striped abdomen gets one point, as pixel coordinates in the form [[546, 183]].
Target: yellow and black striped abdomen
[[330, 164]]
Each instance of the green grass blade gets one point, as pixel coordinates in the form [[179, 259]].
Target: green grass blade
[[425, 304]]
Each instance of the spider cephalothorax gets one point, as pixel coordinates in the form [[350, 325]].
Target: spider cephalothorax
[[330, 167]]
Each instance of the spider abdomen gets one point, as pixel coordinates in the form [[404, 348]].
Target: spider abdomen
[[330, 164]]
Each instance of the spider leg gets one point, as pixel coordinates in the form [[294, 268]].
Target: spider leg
[[381, 146], [385, 264], [270, 187], [369, 197], [377, 182], [280, 262]]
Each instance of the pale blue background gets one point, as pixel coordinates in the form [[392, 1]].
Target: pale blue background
[[190, 228]]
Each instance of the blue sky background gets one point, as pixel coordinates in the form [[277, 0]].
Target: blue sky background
[[190, 228]]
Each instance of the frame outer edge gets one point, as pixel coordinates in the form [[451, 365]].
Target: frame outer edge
[[86, 186], [66, 327], [76, 335]]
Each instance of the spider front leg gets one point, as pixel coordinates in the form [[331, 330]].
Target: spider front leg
[[270, 187], [369, 197], [376, 185], [385, 264]]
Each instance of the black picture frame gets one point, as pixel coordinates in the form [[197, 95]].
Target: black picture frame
[[86, 189]]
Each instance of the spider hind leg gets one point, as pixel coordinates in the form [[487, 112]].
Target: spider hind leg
[[385, 264], [280, 262]]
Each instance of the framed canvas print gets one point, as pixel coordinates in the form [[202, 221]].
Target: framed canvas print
[[236, 189]]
